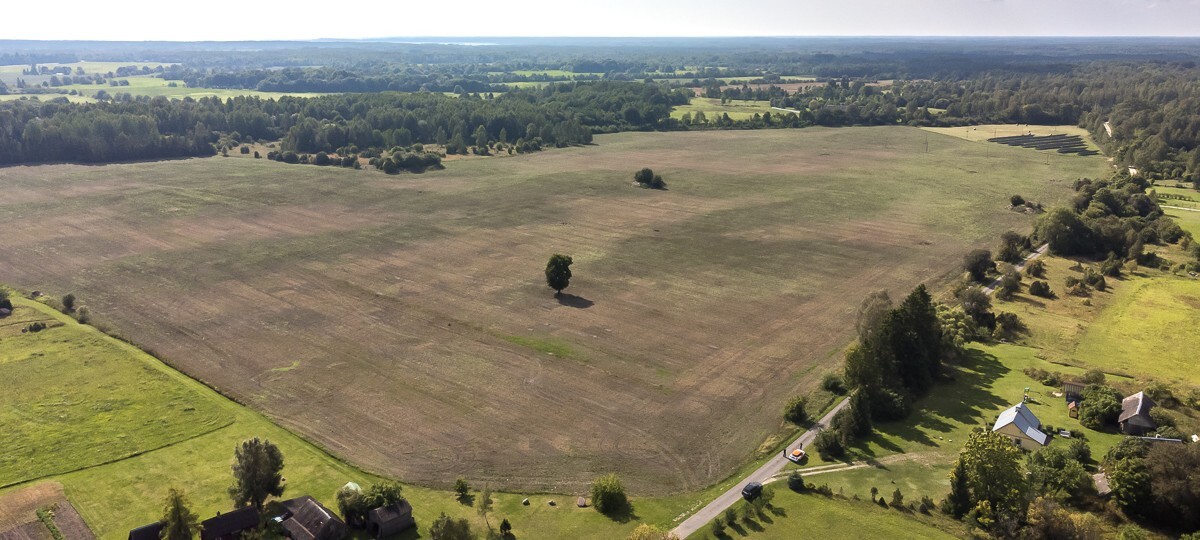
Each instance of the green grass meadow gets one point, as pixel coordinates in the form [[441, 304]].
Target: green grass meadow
[[803, 515], [712, 108]]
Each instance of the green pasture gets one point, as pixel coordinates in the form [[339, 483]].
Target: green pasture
[[10, 73], [712, 108], [805, 515]]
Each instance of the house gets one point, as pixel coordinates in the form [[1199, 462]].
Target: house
[[1073, 390], [307, 519], [1135, 414], [152, 531], [1019, 424], [387, 521], [229, 526], [1073, 409]]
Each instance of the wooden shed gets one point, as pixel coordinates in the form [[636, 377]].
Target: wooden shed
[[387, 521]]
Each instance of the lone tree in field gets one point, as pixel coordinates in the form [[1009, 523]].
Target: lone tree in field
[[461, 488], [608, 495], [257, 473], [179, 522], [558, 272]]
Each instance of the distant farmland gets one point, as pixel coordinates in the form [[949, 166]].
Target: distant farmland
[[403, 322]]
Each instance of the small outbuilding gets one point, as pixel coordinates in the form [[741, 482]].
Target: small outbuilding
[[1135, 415], [229, 526], [387, 521], [1020, 425], [152, 531], [307, 519], [1072, 390], [1073, 409]]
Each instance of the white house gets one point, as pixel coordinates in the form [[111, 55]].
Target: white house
[[1019, 424]]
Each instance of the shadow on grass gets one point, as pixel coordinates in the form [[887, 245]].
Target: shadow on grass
[[467, 500], [571, 300], [624, 514], [963, 400]]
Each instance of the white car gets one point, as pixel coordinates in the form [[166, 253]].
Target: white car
[[796, 456]]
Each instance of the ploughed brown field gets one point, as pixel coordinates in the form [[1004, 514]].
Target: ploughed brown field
[[403, 322]]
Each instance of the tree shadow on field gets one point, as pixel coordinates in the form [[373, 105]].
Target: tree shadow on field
[[467, 500], [624, 514], [571, 300]]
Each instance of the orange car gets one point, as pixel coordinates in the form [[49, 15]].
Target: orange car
[[796, 456]]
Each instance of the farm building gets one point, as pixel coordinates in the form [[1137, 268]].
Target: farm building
[[1072, 390], [152, 531], [307, 519], [387, 521], [1019, 424], [1135, 414], [229, 526]]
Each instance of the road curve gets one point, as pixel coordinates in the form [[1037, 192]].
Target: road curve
[[764, 473], [775, 464]]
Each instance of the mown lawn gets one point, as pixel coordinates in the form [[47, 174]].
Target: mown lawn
[[74, 398]]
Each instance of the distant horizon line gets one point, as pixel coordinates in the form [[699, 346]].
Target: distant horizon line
[[437, 40]]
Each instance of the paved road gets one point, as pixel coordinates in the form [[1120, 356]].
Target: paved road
[[764, 473], [991, 288]]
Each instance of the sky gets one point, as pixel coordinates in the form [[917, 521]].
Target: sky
[[138, 20]]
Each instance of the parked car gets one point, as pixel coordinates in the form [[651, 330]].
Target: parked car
[[796, 456], [752, 491]]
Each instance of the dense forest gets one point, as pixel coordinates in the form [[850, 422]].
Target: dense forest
[[138, 128]]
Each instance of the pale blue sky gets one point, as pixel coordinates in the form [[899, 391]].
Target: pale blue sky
[[309, 19]]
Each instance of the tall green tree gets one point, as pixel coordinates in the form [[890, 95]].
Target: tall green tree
[[993, 467], [608, 495], [179, 521], [958, 502], [257, 473], [558, 272]]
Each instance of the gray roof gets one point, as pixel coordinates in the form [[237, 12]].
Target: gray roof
[[1023, 418], [1137, 405]]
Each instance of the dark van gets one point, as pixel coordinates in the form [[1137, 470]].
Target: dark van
[[752, 491]]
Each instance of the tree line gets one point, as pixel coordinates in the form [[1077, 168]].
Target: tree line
[[151, 128]]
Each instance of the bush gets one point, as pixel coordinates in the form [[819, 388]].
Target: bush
[[718, 527], [794, 411], [1017, 200], [829, 445], [608, 495], [644, 176], [1010, 284], [35, 327], [833, 383], [1035, 268], [68, 303], [1162, 395], [1093, 376], [1041, 288], [1079, 451], [795, 481], [1101, 406], [1162, 418]]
